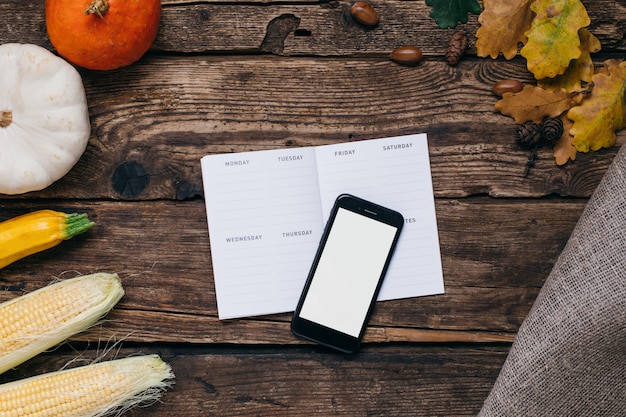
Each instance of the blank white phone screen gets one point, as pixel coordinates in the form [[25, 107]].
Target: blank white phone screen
[[347, 273]]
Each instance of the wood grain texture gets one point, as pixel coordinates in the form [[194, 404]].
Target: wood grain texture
[[496, 255], [159, 117], [327, 29], [381, 381], [318, 28]]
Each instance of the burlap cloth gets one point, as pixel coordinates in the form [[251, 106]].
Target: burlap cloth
[[569, 357]]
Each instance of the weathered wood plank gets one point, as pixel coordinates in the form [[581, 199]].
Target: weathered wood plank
[[162, 327], [297, 28], [152, 122], [327, 29], [496, 255], [389, 381]]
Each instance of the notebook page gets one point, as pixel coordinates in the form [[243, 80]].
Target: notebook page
[[265, 223], [395, 173]]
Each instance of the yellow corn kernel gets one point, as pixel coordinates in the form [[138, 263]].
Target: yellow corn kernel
[[44, 318], [88, 391]]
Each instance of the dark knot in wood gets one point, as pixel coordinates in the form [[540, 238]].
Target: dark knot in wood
[[277, 31], [130, 179]]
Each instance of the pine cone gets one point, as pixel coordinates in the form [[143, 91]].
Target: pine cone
[[552, 128], [456, 48], [529, 134]]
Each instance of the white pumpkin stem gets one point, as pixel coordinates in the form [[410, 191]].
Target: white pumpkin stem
[[99, 7], [6, 117]]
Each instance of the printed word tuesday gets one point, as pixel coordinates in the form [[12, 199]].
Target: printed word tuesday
[[289, 158]]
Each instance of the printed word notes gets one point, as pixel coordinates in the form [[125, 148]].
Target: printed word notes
[[266, 211]]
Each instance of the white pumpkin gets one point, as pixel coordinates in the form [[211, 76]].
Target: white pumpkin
[[44, 119]]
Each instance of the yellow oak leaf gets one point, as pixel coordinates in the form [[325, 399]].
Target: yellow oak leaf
[[534, 104], [564, 149], [580, 70], [553, 39], [503, 27], [603, 112]]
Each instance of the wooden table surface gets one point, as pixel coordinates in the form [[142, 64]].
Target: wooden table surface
[[228, 76]]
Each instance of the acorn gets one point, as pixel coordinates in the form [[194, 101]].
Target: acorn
[[364, 13], [507, 86], [407, 55]]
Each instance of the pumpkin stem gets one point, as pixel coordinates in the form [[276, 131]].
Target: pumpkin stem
[[6, 117], [99, 7]]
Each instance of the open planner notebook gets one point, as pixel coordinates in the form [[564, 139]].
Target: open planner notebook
[[267, 210]]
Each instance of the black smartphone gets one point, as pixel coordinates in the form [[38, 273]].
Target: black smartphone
[[347, 272]]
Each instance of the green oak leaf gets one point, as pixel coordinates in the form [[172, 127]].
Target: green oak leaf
[[448, 12]]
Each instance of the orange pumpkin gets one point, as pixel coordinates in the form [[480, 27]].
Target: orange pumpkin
[[102, 34]]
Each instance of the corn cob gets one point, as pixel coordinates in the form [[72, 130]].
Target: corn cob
[[88, 391], [37, 231], [44, 318]]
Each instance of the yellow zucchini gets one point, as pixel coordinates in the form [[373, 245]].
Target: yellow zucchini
[[37, 231]]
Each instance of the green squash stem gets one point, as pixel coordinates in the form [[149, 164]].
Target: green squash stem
[[75, 224]]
